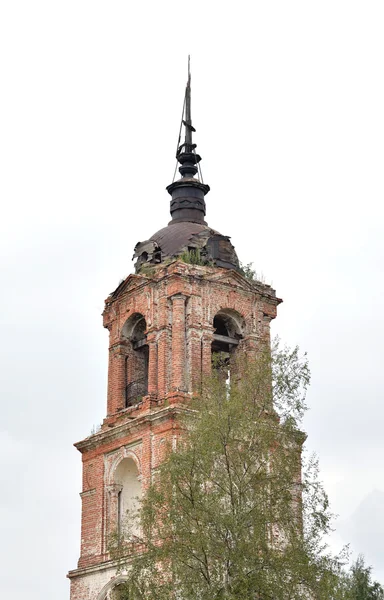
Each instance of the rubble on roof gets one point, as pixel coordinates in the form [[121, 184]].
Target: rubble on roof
[[178, 238]]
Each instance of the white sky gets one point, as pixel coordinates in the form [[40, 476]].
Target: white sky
[[288, 101]]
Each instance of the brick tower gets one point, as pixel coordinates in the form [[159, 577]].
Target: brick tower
[[187, 300]]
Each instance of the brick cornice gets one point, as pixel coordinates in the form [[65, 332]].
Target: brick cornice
[[101, 566], [91, 492], [206, 274], [106, 565], [103, 437]]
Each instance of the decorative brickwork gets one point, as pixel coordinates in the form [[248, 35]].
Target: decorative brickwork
[[162, 332], [164, 329]]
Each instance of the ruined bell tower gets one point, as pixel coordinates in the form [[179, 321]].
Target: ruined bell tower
[[187, 300]]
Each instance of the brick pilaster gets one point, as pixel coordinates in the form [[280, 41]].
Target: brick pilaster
[[116, 378], [113, 507], [152, 364], [178, 342], [163, 365], [206, 351], [194, 359]]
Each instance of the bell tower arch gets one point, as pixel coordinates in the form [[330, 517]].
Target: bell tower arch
[[185, 310]]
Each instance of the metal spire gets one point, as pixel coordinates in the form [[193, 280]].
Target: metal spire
[[186, 152], [187, 193], [188, 121], [187, 147]]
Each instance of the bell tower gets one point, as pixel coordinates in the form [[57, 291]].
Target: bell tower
[[187, 300]]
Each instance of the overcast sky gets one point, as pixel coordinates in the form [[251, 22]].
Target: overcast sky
[[287, 100]]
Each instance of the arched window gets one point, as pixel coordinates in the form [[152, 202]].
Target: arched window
[[136, 367], [228, 332], [127, 478]]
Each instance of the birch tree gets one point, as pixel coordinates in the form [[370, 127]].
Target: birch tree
[[234, 511]]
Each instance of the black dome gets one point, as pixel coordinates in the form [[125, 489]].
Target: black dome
[[180, 237], [187, 235]]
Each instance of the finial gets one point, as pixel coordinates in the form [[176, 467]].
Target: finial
[[186, 152], [187, 193], [188, 121]]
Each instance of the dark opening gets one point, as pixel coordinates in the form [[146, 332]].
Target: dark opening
[[137, 387], [225, 342], [220, 326]]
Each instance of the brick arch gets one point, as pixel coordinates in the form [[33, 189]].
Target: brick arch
[[241, 307], [236, 317], [114, 582], [121, 455], [135, 352], [130, 324], [229, 328]]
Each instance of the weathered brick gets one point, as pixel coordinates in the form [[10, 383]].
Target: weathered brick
[[179, 303]]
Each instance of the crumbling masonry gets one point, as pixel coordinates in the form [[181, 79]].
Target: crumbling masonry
[[187, 300]]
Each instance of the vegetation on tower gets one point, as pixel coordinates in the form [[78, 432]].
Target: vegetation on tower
[[235, 513]]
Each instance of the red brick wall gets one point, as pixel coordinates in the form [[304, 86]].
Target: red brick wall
[[179, 303]]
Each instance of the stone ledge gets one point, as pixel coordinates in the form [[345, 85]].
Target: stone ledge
[[103, 437], [101, 566]]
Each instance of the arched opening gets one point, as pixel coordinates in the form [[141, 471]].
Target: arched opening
[[137, 359], [128, 498], [119, 592], [114, 590], [228, 332]]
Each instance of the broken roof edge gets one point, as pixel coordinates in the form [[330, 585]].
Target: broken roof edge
[[177, 266], [122, 284], [208, 245]]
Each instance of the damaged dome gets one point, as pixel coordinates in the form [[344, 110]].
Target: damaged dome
[[187, 235], [178, 238]]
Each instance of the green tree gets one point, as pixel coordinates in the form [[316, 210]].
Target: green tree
[[359, 583], [231, 514]]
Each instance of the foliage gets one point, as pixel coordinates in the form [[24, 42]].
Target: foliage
[[229, 515], [147, 270], [359, 584], [121, 592], [250, 273], [291, 377], [193, 257]]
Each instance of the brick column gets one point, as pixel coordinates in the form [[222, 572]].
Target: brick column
[[194, 358], [162, 363], [88, 525], [206, 351], [250, 346], [116, 378], [250, 351], [152, 364], [178, 342], [113, 507]]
